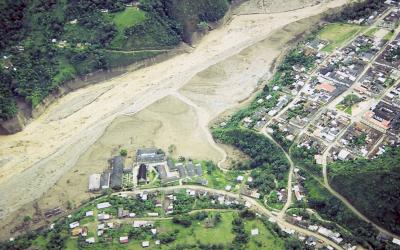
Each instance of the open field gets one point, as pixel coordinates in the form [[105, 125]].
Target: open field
[[348, 102], [41, 159], [371, 32], [125, 19], [337, 34], [129, 17]]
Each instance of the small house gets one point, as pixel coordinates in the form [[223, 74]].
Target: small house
[[94, 182], [123, 239], [190, 169], [90, 240], [254, 232], [103, 205], [149, 155], [74, 224]]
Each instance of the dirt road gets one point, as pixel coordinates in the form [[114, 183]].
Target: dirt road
[[32, 161]]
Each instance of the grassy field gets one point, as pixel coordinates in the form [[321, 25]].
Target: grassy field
[[314, 190], [388, 36], [265, 240], [218, 179], [117, 59], [128, 18], [347, 109], [348, 102], [125, 19], [337, 34], [372, 31], [220, 234]]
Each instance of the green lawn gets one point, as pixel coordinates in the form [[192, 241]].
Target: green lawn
[[128, 18], [348, 102], [372, 31], [337, 34], [71, 244], [218, 179], [265, 240], [344, 108], [388, 36], [125, 19]]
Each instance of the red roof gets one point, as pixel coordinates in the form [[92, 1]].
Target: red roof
[[326, 86]]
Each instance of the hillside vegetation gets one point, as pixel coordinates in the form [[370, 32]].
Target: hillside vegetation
[[45, 43], [372, 186]]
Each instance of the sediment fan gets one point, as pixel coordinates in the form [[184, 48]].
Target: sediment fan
[[275, 6]]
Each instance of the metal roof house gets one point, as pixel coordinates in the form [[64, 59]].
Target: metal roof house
[[169, 179], [198, 169], [105, 179], [149, 155], [171, 165], [162, 172], [190, 169], [94, 182], [116, 172], [182, 171]]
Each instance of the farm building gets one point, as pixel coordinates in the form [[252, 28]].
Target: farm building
[[162, 172], [181, 170], [116, 172], [94, 182], [190, 169], [105, 179], [171, 165], [198, 169], [149, 155]]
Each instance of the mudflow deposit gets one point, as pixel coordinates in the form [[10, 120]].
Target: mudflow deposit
[[170, 103]]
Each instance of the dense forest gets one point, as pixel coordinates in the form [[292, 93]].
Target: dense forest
[[357, 10], [267, 161], [372, 186], [45, 43], [331, 208]]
